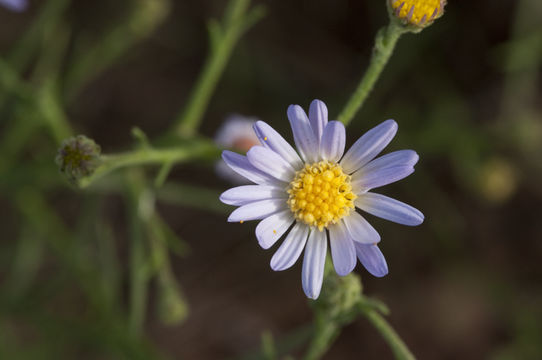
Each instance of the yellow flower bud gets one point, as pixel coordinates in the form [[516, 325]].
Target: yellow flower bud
[[418, 13]]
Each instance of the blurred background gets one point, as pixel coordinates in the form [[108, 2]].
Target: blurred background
[[466, 93]]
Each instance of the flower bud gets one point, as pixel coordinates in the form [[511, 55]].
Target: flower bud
[[78, 157], [417, 13]]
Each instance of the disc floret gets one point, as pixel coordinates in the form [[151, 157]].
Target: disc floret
[[320, 194]]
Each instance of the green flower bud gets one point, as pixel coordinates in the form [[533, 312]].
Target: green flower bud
[[78, 157]]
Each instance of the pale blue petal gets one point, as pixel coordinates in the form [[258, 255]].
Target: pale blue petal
[[304, 138], [314, 261], [257, 210], [396, 158], [333, 141], [343, 251], [243, 167], [290, 249], [242, 195], [384, 170], [273, 140], [318, 118], [368, 146], [372, 259], [380, 177], [360, 230], [270, 163], [270, 229], [389, 209]]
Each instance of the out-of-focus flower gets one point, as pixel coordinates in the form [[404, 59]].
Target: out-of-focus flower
[[15, 5], [78, 157], [318, 191], [419, 13], [236, 133], [148, 15], [497, 180]]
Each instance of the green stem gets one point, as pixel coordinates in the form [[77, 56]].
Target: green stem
[[399, 348], [53, 113], [193, 196], [138, 259], [92, 59], [385, 42], [331, 309], [27, 46], [172, 306], [223, 41], [339, 304], [145, 156], [138, 282], [325, 335]]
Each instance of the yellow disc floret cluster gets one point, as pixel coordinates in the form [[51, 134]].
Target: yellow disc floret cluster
[[320, 194], [418, 12]]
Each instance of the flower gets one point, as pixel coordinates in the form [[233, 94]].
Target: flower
[[15, 5], [317, 191], [420, 13], [235, 133]]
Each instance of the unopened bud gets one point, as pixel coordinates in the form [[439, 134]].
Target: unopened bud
[[417, 13], [78, 157]]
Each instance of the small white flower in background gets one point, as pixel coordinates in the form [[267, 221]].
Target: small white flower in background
[[236, 133], [317, 191], [14, 5]]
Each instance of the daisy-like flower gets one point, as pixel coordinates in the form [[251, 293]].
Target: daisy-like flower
[[236, 133], [315, 193], [15, 5]]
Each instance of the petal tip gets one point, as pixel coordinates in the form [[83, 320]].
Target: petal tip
[[381, 273], [420, 218], [275, 266], [415, 157], [225, 154], [262, 241], [391, 123], [318, 103], [295, 111], [343, 272], [312, 295]]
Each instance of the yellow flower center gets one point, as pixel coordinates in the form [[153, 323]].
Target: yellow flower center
[[320, 194], [418, 12]]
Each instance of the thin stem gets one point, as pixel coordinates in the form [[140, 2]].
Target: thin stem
[[399, 348], [138, 282], [27, 45], [138, 259], [385, 42], [329, 310], [196, 197], [90, 60], [108, 263], [172, 307], [223, 41], [324, 336], [53, 113], [149, 156]]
